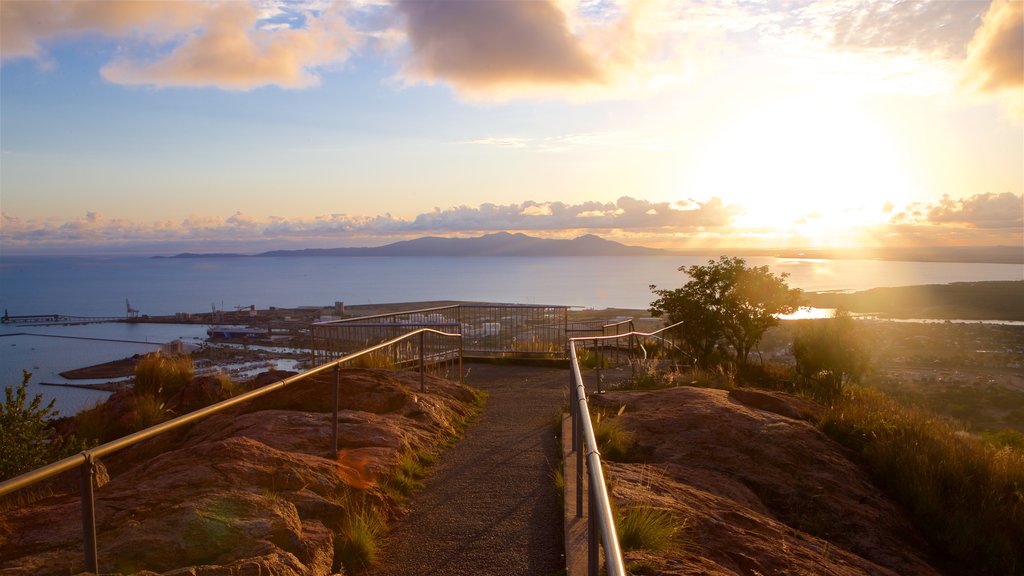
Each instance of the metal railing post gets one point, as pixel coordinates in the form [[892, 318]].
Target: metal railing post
[[334, 422], [600, 360], [579, 467], [89, 514], [593, 560], [422, 365], [573, 411]]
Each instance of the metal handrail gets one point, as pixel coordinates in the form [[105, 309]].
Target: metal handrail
[[386, 314], [87, 458], [600, 517], [489, 330]]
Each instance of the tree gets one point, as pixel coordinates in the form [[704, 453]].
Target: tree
[[830, 353], [724, 305], [26, 439]]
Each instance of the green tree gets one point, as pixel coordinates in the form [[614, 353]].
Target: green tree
[[830, 354], [27, 441], [725, 305]]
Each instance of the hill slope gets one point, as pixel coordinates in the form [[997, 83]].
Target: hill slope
[[758, 489]]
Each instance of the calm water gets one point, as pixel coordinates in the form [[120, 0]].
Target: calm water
[[99, 286]]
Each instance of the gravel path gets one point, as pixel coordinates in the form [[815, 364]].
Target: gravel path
[[490, 505]]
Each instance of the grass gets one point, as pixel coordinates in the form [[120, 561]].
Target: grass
[[147, 411], [645, 527], [356, 546], [160, 376], [648, 376], [966, 495], [92, 423], [613, 441], [589, 359], [378, 359]]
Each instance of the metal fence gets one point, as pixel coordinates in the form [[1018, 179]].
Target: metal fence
[[600, 520], [488, 330], [421, 349]]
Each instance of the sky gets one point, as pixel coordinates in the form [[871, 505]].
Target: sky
[[155, 127]]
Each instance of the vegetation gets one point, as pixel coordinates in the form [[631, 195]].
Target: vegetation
[[646, 375], [27, 439], [613, 441], [589, 359], [967, 495], [147, 411], [356, 545], [965, 492], [960, 300], [646, 527], [160, 376], [725, 305], [829, 355]]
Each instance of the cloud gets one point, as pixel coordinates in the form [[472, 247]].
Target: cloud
[[561, 143], [940, 28], [25, 26], [231, 51], [626, 215], [1004, 210], [480, 44], [541, 48], [979, 220], [228, 45], [996, 53]]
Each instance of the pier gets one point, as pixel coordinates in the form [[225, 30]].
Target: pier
[[57, 319]]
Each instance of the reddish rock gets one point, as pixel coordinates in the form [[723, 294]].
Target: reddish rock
[[761, 488], [258, 491]]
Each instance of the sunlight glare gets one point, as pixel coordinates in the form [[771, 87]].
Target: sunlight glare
[[811, 168]]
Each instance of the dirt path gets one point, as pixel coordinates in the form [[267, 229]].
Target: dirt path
[[490, 505]]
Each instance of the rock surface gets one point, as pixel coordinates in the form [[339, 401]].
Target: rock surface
[[255, 491], [754, 488]]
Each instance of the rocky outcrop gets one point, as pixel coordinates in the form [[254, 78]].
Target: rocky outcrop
[[255, 491], [755, 487]]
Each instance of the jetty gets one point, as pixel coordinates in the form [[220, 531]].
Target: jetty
[[56, 319]]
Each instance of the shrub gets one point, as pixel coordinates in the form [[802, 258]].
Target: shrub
[[147, 411], [356, 546], [228, 387], [160, 376], [612, 440], [27, 441], [589, 359], [967, 496], [1005, 438], [647, 376], [830, 354], [94, 423], [645, 527]]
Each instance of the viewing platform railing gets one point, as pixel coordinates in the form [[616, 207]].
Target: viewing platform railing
[[488, 330], [600, 519], [421, 348]]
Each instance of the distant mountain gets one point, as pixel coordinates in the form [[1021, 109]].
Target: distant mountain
[[498, 244]]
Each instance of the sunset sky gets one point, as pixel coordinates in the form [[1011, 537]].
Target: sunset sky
[[158, 127]]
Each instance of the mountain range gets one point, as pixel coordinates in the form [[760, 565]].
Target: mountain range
[[497, 244], [518, 244]]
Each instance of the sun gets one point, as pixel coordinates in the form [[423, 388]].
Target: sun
[[806, 167]]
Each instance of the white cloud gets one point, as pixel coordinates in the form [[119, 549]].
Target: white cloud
[[625, 215]]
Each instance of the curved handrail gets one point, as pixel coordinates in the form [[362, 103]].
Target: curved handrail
[[51, 470], [600, 509]]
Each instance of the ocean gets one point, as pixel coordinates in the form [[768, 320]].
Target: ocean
[[100, 286]]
